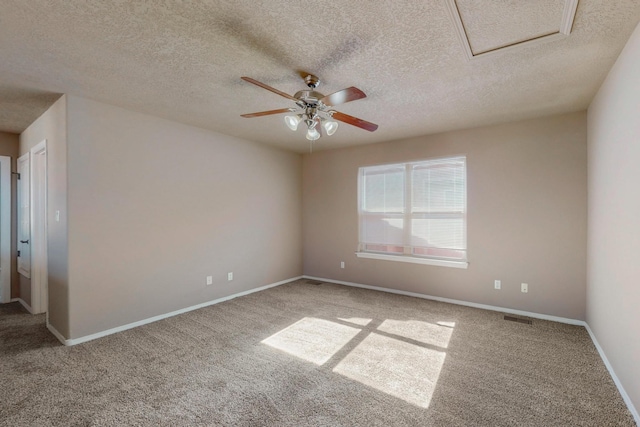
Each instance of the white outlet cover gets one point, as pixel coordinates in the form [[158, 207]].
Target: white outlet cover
[[209, 280], [229, 276], [342, 264], [497, 284], [524, 287]]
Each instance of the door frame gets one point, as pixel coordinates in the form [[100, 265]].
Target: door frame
[[23, 166], [5, 229], [38, 215]]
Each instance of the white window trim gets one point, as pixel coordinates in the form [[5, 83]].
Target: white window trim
[[414, 260], [464, 264]]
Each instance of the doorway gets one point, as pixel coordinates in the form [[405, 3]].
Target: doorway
[[32, 224], [5, 229]]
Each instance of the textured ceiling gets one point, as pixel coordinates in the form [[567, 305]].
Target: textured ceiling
[[184, 60]]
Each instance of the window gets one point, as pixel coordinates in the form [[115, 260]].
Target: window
[[414, 212]]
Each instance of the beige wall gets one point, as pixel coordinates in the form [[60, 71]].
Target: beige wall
[[9, 146], [527, 198], [156, 206], [613, 291], [52, 127]]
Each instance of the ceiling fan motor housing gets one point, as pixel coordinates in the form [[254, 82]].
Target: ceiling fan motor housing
[[309, 96], [312, 81]]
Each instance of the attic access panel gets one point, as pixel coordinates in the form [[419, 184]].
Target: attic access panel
[[488, 26]]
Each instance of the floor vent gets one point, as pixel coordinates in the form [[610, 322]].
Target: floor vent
[[313, 282], [517, 319]]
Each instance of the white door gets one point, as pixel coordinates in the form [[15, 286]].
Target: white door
[[24, 216], [32, 223]]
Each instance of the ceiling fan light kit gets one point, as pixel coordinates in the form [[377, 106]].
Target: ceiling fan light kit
[[292, 122], [313, 108], [312, 133], [330, 127]]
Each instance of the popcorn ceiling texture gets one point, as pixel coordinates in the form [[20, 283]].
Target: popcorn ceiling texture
[[184, 60]]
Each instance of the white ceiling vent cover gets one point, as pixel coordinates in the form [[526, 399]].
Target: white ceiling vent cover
[[485, 27]]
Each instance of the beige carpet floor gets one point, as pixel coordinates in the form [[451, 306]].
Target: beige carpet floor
[[310, 355]]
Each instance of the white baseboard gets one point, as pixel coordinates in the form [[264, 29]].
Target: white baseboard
[[623, 393], [74, 341], [24, 304], [455, 301], [621, 389], [55, 332]]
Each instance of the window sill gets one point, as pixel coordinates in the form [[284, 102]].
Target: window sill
[[414, 260]]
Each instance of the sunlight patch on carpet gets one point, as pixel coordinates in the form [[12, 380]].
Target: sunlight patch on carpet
[[423, 332], [398, 368], [311, 339]]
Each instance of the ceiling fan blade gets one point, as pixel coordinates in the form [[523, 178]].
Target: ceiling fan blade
[[269, 88], [267, 113], [354, 121], [345, 95]]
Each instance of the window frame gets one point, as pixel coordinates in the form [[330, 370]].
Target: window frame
[[406, 252]]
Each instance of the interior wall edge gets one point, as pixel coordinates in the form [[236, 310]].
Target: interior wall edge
[[612, 270], [74, 341], [616, 380]]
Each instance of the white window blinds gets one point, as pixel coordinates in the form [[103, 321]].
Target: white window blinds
[[415, 209]]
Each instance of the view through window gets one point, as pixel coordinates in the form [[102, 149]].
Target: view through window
[[415, 209]]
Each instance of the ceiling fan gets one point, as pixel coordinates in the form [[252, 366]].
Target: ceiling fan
[[314, 109]]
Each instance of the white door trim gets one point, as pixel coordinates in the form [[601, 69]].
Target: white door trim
[[5, 229], [38, 194]]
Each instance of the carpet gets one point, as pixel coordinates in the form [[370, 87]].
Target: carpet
[[310, 355]]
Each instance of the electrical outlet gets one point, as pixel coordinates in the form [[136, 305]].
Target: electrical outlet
[[341, 264], [497, 284], [524, 288], [209, 280], [229, 276]]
